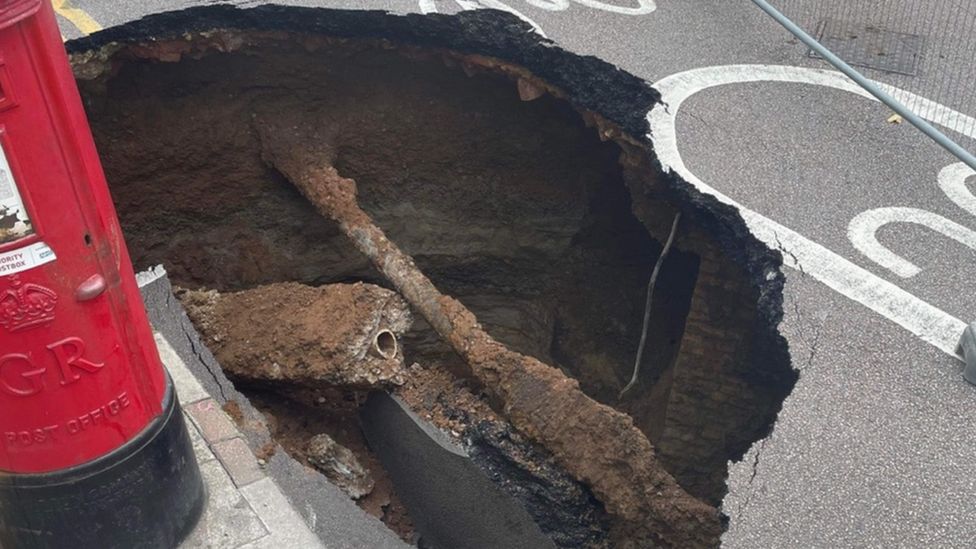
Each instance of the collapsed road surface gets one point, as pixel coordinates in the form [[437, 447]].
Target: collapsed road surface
[[515, 176]]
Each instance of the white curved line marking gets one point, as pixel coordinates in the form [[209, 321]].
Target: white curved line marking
[[929, 323], [863, 233], [952, 181], [643, 7], [549, 5]]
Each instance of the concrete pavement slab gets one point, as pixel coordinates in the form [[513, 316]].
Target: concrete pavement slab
[[239, 462], [211, 420], [286, 525], [228, 521], [200, 447]]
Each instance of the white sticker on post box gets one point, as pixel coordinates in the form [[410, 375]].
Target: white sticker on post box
[[26, 258], [15, 222]]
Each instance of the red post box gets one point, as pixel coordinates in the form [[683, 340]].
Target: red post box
[[93, 448]]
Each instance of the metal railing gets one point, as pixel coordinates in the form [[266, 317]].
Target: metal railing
[[925, 51]]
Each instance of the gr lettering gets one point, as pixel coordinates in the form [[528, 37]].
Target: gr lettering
[[73, 358], [22, 376], [19, 376]]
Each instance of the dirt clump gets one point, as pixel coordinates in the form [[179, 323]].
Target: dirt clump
[[233, 409], [305, 355], [339, 464], [446, 401], [296, 413], [563, 507], [340, 335]]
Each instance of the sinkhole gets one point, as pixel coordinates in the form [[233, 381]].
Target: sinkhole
[[517, 177]]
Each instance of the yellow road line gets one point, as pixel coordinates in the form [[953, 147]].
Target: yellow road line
[[77, 16]]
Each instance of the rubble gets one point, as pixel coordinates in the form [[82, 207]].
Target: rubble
[[340, 335], [339, 464], [564, 508]]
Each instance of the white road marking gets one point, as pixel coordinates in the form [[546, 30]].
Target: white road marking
[[863, 229], [952, 181], [922, 319], [643, 7], [549, 5]]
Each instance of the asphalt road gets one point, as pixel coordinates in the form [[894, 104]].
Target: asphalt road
[[874, 447]]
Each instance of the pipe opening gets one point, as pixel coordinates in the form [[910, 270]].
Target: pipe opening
[[385, 344]]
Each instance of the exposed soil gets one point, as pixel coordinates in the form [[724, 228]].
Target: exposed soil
[[521, 210], [512, 207], [312, 346], [294, 419], [515, 208], [565, 509], [287, 332]]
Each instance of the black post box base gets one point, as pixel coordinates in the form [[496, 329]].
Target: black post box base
[[148, 493]]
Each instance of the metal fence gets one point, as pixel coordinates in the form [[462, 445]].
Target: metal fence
[[917, 56]]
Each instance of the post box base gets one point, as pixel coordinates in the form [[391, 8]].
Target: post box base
[[147, 493]]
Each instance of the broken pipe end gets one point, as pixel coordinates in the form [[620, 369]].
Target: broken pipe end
[[384, 345]]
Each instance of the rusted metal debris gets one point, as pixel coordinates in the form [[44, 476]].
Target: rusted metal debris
[[596, 444]]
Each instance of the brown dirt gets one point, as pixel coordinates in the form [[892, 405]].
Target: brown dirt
[[317, 339], [546, 251], [300, 334], [437, 395], [306, 412], [233, 409], [515, 208], [597, 444]]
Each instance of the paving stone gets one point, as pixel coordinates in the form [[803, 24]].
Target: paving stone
[[214, 423], [228, 520], [239, 462], [200, 447], [286, 525]]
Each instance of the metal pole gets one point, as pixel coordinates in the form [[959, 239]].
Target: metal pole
[[869, 86]]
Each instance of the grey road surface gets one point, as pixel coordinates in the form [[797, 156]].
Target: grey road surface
[[875, 446]]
